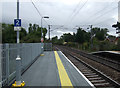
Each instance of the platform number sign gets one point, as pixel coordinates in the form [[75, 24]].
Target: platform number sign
[[17, 24]]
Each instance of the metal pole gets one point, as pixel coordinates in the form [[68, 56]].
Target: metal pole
[[41, 29], [119, 14], [119, 20], [119, 11], [49, 32], [18, 82], [91, 37], [18, 9], [18, 59], [41, 35], [18, 30]]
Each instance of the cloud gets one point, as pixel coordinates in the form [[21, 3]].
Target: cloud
[[70, 13]]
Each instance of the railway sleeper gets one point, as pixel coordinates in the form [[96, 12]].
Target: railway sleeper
[[98, 81], [83, 68], [86, 72], [102, 84], [92, 76], [96, 78]]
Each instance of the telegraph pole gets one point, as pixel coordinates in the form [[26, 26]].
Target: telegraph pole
[[119, 11], [49, 31], [117, 26], [119, 17], [91, 36], [41, 31]]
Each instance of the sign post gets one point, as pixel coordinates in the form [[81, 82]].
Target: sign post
[[17, 27]]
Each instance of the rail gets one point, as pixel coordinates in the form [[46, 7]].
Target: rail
[[112, 64]]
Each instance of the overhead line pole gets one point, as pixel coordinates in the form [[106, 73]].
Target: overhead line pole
[[91, 36], [119, 11], [119, 17], [49, 31], [41, 30]]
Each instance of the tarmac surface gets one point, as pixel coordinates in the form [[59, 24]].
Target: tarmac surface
[[55, 69]]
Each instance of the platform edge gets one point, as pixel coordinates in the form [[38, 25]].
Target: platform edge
[[78, 70]]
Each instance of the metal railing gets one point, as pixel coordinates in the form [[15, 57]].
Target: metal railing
[[0, 68], [28, 53]]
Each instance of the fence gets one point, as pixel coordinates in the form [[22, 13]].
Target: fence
[[0, 68], [28, 53]]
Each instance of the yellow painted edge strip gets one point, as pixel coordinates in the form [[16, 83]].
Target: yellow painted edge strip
[[65, 81]]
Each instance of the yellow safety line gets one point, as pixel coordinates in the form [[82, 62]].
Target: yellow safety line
[[65, 81]]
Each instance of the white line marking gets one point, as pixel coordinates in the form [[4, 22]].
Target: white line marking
[[78, 70]]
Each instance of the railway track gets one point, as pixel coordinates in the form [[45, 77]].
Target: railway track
[[110, 63], [97, 78]]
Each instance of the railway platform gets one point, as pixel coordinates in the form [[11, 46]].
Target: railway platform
[[55, 69]]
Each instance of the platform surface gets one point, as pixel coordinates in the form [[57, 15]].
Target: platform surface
[[54, 69]]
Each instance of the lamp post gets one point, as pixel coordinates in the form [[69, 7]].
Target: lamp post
[[42, 29], [42, 36]]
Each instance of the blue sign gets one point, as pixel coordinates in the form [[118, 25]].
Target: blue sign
[[17, 22]]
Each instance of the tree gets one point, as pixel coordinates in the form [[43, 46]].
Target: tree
[[100, 33], [8, 33], [38, 33], [34, 27], [44, 33], [54, 39], [68, 37], [23, 33], [30, 28], [80, 36]]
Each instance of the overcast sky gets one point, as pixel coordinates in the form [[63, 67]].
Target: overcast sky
[[64, 15]]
